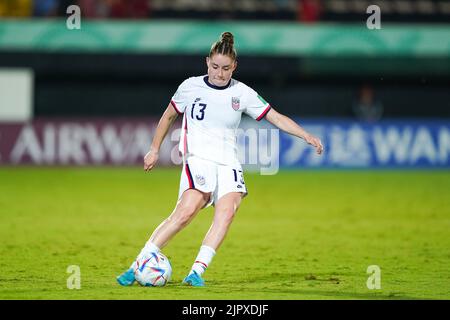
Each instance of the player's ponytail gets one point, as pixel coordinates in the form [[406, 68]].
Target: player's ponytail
[[224, 46]]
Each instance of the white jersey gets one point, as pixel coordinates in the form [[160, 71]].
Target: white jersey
[[212, 115]]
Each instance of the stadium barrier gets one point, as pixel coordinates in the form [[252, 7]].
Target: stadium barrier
[[254, 38], [409, 49]]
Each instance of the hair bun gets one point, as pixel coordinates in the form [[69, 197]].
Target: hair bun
[[224, 46], [227, 37]]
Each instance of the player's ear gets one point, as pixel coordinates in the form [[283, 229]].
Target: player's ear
[[207, 62], [234, 66]]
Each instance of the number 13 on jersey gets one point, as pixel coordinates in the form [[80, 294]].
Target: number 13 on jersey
[[200, 113]]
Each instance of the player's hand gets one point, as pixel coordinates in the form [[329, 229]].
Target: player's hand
[[150, 160], [315, 142]]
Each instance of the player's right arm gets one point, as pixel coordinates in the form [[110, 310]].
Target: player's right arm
[[166, 121]]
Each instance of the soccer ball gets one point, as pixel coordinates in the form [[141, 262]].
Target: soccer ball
[[152, 270]]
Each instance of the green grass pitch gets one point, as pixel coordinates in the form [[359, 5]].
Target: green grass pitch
[[298, 235]]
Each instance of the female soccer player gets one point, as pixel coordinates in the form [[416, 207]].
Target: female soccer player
[[212, 106]]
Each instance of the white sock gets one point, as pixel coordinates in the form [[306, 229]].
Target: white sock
[[148, 248], [204, 257]]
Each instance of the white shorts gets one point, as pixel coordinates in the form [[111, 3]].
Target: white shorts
[[208, 176]]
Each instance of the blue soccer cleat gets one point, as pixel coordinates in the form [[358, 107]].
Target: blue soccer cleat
[[127, 278], [194, 279]]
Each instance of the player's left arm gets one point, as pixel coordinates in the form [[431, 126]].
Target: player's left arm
[[288, 125]]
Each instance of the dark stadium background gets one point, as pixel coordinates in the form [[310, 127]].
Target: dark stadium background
[[129, 84]]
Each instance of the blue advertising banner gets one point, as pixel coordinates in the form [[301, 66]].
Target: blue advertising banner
[[389, 143]]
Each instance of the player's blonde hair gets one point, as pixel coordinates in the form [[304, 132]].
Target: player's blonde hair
[[224, 46]]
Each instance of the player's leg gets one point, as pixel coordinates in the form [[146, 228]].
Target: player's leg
[[225, 210], [196, 185], [187, 207], [224, 213]]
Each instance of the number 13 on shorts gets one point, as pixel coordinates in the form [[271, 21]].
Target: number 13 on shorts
[[238, 176]]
